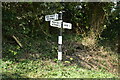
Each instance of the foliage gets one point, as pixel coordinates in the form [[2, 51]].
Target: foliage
[[29, 17], [91, 23], [48, 69], [112, 26]]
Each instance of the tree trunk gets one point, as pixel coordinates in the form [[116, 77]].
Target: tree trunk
[[96, 21], [97, 17]]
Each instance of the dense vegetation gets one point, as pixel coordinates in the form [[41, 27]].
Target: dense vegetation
[[90, 48]]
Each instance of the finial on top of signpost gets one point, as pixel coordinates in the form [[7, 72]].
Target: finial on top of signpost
[[62, 11]]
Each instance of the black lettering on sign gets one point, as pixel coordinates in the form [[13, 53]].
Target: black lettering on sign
[[52, 18], [55, 24], [65, 25], [51, 15]]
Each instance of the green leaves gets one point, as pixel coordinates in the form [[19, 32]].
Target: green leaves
[[48, 69]]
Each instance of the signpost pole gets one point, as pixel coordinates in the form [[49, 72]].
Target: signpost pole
[[60, 24], [60, 40]]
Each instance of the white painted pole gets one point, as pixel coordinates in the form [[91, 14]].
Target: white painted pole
[[60, 40]]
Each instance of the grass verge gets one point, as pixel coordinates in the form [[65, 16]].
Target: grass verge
[[48, 69]]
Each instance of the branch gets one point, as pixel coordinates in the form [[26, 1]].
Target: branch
[[17, 41]]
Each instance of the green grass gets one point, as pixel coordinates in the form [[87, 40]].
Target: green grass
[[48, 69]]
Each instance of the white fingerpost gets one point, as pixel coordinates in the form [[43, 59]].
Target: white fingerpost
[[67, 25], [51, 17], [55, 22]]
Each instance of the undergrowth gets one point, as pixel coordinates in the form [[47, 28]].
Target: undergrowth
[[48, 69], [38, 59]]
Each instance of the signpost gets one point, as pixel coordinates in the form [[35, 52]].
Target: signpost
[[67, 25], [60, 40], [55, 22], [51, 17]]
